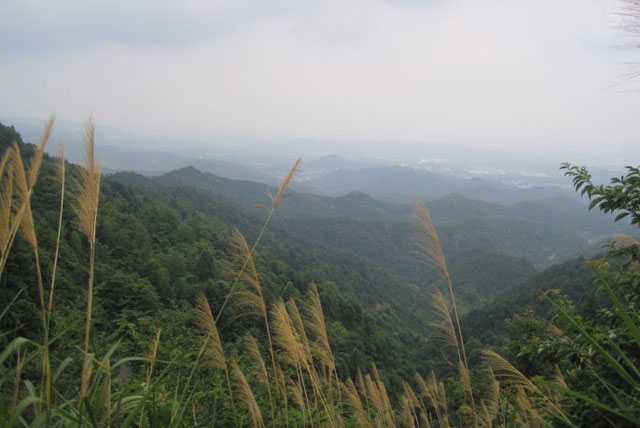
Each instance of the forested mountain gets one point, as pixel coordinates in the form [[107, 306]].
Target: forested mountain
[[572, 278], [539, 232]]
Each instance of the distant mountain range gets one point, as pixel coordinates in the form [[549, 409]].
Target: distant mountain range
[[331, 175], [403, 184]]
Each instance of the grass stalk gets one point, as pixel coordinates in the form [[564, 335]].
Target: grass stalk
[[431, 249], [88, 192], [280, 197], [254, 353], [62, 177], [25, 181]]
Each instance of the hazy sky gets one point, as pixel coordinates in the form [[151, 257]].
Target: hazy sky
[[515, 75]]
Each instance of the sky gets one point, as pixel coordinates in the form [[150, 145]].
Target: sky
[[522, 77]]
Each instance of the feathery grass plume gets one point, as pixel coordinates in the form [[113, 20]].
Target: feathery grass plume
[[25, 182], [384, 397], [36, 160], [86, 208], [285, 336], [316, 323], [287, 339], [559, 378], [442, 400], [61, 176], [429, 248], [423, 389], [513, 377], [298, 325], [465, 378], [318, 327], [406, 412], [376, 400], [282, 194], [152, 356], [88, 184], [304, 359], [417, 404], [355, 403], [491, 405], [245, 395], [298, 398], [275, 201], [307, 363], [260, 372], [253, 351], [361, 386], [213, 350], [214, 353], [444, 325], [555, 331], [281, 386], [6, 200], [408, 405], [526, 413], [5, 160], [437, 397], [252, 298]]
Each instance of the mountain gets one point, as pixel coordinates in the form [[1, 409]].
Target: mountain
[[248, 194], [230, 170], [405, 184], [539, 232], [122, 152], [323, 165], [331, 162], [487, 323], [556, 211]]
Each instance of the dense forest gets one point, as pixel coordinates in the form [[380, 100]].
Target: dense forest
[[189, 299]]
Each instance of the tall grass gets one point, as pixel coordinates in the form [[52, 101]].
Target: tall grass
[[86, 208], [282, 194], [430, 250]]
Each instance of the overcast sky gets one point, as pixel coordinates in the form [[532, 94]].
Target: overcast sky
[[528, 76]]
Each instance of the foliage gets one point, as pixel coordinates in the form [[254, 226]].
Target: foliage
[[595, 351]]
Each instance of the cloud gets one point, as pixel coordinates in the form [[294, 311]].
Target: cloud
[[44, 27], [518, 75]]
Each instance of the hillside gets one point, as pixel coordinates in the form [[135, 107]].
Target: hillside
[[540, 232], [572, 278]]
